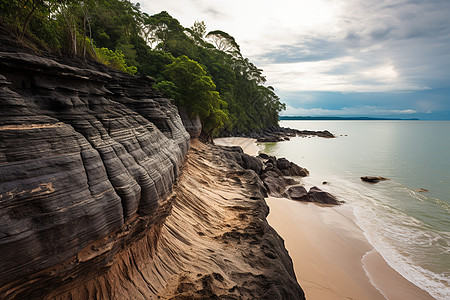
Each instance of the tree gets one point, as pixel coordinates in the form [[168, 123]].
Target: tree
[[198, 93], [224, 42], [160, 28]]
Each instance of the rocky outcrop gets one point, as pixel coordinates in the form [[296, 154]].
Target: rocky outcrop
[[208, 240], [93, 204], [84, 151], [273, 172], [272, 134], [289, 168], [193, 125], [373, 179]]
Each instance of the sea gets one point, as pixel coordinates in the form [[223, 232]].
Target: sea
[[408, 226]]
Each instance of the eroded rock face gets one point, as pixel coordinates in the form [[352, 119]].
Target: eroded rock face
[[83, 151], [193, 125]]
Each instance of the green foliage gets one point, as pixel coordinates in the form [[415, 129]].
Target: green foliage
[[206, 72], [198, 92], [114, 59], [169, 89]]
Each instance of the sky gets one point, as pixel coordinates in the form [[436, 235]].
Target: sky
[[338, 57]]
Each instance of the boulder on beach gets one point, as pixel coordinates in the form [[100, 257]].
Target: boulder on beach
[[274, 184], [297, 192], [317, 195], [373, 179]]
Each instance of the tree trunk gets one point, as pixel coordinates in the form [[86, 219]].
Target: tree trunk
[[84, 29], [90, 37], [27, 20]]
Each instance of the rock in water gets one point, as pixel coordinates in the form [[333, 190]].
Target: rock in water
[[373, 179]]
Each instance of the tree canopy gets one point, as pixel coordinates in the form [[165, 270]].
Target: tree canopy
[[203, 71]]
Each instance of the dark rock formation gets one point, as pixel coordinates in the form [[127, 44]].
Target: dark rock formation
[[317, 195], [244, 160], [324, 133], [193, 125], [274, 183], [83, 151], [373, 179], [290, 181], [297, 192], [289, 168], [272, 134], [93, 204], [272, 172]]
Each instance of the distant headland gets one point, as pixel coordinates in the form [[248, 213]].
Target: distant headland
[[308, 118]]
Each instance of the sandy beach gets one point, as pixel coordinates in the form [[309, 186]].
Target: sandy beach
[[332, 258], [248, 145]]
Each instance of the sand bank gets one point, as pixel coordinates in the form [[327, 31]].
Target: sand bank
[[248, 145], [332, 258]]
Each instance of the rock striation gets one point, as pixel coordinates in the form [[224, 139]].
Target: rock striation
[[83, 151], [101, 198]]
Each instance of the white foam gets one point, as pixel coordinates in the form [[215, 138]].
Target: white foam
[[382, 231], [363, 260]]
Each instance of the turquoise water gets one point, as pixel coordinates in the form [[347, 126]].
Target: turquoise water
[[411, 229]]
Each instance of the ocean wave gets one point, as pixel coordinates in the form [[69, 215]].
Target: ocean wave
[[406, 247]]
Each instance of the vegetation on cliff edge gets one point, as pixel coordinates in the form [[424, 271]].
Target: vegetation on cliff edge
[[203, 71]]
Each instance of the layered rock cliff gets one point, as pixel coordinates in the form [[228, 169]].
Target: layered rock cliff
[[82, 152], [93, 204]]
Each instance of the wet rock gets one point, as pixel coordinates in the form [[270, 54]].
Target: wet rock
[[373, 179], [317, 195]]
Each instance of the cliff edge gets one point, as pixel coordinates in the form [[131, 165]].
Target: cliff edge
[[90, 207]]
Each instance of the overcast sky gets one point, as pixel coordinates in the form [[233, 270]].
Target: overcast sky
[[339, 57]]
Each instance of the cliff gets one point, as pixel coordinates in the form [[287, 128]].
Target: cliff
[[92, 204]]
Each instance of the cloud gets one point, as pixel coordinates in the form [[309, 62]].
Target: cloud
[[343, 46], [346, 111]]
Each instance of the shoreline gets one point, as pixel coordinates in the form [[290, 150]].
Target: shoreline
[[332, 258]]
